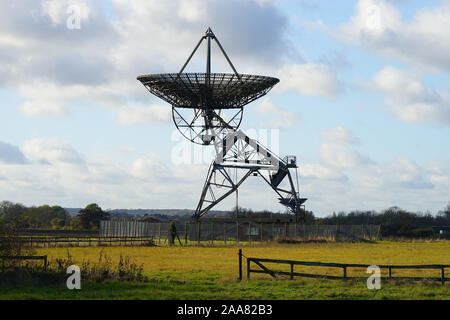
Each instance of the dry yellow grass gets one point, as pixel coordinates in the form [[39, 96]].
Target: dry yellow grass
[[211, 272], [184, 263]]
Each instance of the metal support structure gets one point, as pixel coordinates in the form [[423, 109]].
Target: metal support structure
[[209, 35], [207, 108], [239, 152], [208, 59]]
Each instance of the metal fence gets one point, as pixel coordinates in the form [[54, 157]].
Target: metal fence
[[237, 231]]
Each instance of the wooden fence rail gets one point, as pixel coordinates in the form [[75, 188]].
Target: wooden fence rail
[[39, 241], [44, 258], [344, 266]]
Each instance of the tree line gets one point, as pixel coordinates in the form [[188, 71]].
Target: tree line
[[394, 221], [19, 216]]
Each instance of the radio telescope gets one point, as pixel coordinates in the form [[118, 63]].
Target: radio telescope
[[207, 108]]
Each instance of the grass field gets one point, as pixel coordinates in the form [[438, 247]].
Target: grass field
[[211, 273]]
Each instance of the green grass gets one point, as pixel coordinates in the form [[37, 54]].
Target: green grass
[[211, 273]]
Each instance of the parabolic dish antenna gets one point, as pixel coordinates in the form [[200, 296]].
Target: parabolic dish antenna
[[207, 104]]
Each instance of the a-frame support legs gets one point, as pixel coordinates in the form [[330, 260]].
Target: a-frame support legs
[[219, 179]]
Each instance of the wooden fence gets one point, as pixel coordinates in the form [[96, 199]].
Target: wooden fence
[[44, 258], [49, 241], [57, 233], [344, 266]]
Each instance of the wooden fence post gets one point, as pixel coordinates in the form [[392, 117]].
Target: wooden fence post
[[159, 233], [185, 233], [345, 271], [240, 264], [292, 271], [442, 275], [273, 231], [225, 233], [389, 272], [248, 268]]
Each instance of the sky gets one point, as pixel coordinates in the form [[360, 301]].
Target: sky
[[363, 100]]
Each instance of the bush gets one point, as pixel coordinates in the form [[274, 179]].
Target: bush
[[104, 269], [55, 273], [11, 246]]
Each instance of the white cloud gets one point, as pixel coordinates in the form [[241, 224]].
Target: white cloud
[[321, 172], [55, 67], [315, 25], [127, 149], [400, 182], [51, 151], [276, 117], [139, 114], [104, 173], [409, 99], [379, 26], [438, 173], [149, 167], [340, 135], [341, 156], [56, 173], [309, 79], [42, 108], [335, 151], [405, 172], [149, 181]]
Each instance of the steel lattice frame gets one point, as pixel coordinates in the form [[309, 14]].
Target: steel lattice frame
[[211, 195], [190, 123], [239, 151]]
